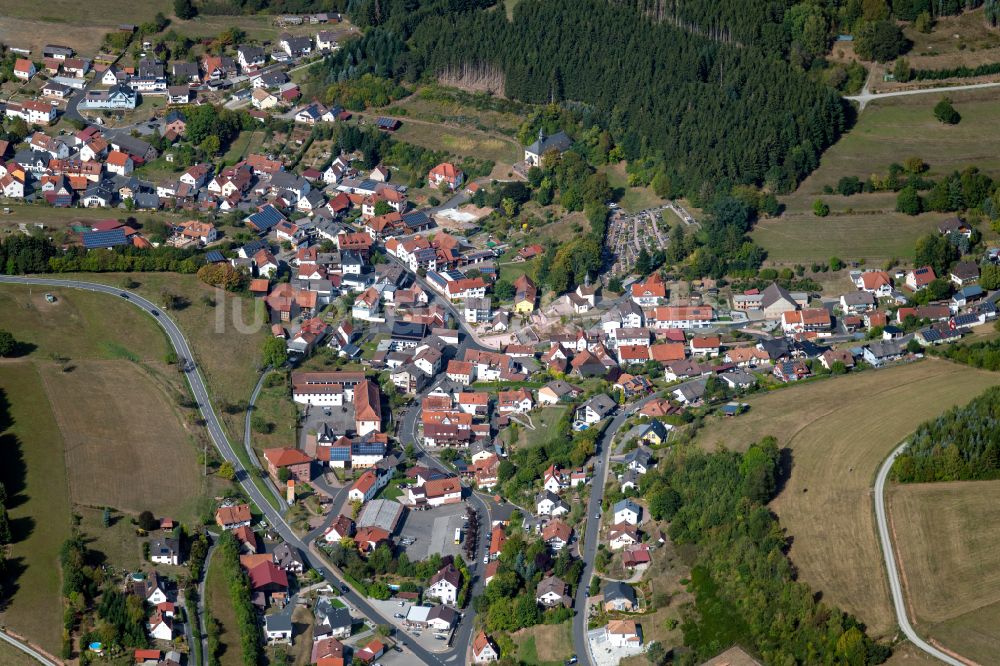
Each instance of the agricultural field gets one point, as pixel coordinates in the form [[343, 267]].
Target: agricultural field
[[27, 26], [544, 644], [225, 331], [112, 412], [838, 432], [34, 475], [946, 535], [866, 226]]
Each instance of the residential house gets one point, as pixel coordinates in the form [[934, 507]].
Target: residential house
[[650, 292], [557, 534], [278, 628], [552, 591], [708, 346], [619, 596], [232, 517], [556, 392], [550, 504], [165, 550], [484, 650], [24, 69], [518, 401], [622, 535], [627, 511], [790, 371], [808, 320], [964, 273], [623, 633], [446, 173], [831, 356], [445, 585], [919, 278], [595, 409], [298, 464]]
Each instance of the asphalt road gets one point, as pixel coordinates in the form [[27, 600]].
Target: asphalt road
[[202, 627], [28, 650], [889, 554], [200, 392], [580, 643]]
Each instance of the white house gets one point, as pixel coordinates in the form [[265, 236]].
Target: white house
[[445, 585], [623, 633], [164, 551], [161, 627], [278, 628], [484, 650], [550, 504], [627, 511]]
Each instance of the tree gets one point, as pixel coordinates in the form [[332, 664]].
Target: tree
[[908, 201], [382, 207], [147, 522], [656, 653], [106, 517], [284, 474], [503, 290], [184, 9], [901, 70], [946, 113], [7, 343], [880, 40], [820, 209], [990, 277], [226, 471], [275, 353]]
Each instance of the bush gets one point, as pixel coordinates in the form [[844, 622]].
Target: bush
[[820, 209], [946, 113], [147, 521]]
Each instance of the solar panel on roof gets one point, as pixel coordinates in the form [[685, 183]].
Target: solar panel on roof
[[214, 257], [97, 239]]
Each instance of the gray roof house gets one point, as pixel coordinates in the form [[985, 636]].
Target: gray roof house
[[595, 409], [558, 141], [331, 621], [619, 596], [691, 391], [775, 299]]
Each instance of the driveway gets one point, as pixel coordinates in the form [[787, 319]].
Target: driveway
[[389, 608]]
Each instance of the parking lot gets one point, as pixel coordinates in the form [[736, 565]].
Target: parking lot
[[432, 531], [341, 419], [425, 638]]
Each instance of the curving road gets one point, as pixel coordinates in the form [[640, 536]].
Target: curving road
[[200, 392], [888, 553], [28, 650], [604, 445]]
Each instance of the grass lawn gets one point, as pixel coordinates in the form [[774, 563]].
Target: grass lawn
[[277, 408], [219, 604], [544, 644], [544, 420], [946, 535], [510, 271], [11, 656], [34, 475], [839, 431], [976, 43], [633, 198], [888, 131]]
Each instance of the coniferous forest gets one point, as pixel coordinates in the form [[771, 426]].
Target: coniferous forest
[[708, 106]]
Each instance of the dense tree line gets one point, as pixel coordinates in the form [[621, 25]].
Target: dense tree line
[[251, 638], [21, 255], [744, 584], [985, 354], [964, 442]]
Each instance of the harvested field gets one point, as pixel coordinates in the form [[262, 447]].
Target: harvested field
[[946, 536], [839, 431], [125, 443]]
